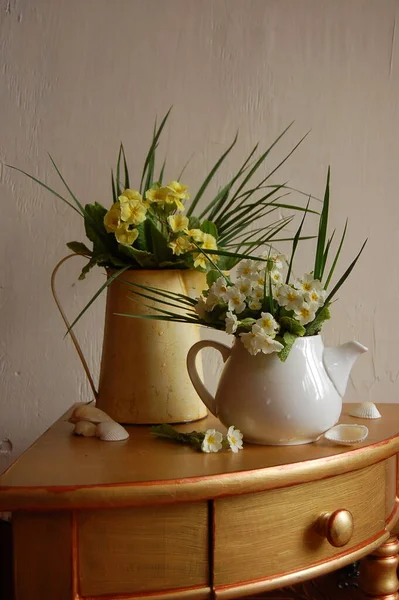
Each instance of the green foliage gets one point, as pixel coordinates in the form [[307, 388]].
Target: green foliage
[[315, 326], [288, 341], [292, 326]]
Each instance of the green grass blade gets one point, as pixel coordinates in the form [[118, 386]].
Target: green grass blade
[[321, 237], [118, 172], [259, 162], [155, 138], [160, 318], [46, 187], [345, 275], [82, 210], [295, 244], [164, 293], [114, 196], [160, 178], [108, 282], [325, 255], [210, 176], [161, 301], [334, 264], [127, 180]]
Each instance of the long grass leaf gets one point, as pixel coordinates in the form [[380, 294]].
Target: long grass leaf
[[325, 255], [108, 282], [114, 196], [118, 172], [160, 178], [164, 293], [49, 189], [155, 139], [345, 275], [295, 244], [334, 264], [210, 176], [321, 236], [127, 180]]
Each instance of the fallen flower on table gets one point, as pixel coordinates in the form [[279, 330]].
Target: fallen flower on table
[[206, 441]]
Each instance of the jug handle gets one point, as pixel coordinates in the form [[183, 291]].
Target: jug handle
[[201, 390], [65, 319]]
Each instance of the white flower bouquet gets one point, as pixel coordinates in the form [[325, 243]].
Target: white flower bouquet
[[264, 305]]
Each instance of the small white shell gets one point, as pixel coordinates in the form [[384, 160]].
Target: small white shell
[[89, 413], [109, 431], [85, 428], [347, 434], [365, 410]]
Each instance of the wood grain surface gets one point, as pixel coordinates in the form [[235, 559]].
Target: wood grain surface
[[63, 471]]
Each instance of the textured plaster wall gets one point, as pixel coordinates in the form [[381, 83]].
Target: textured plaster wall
[[79, 76]]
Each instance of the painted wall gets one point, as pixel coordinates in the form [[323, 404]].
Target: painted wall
[[79, 76]]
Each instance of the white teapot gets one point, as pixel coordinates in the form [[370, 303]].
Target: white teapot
[[274, 402]]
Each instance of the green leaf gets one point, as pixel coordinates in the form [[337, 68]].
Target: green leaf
[[209, 227], [144, 259], [46, 187], [114, 196], [292, 326], [118, 172], [194, 223], [150, 156], [160, 178], [288, 341], [295, 244], [92, 263], [315, 326], [79, 248], [345, 275], [157, 243], [127, 181], [108, 282], [321, 237], [94, 223], [209, 178], [334, 264], [212, 276]]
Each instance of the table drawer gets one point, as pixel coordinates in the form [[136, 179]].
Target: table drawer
[[145, 549], [265, 534]]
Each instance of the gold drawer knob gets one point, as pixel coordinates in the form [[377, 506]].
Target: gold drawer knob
[[336, 526]]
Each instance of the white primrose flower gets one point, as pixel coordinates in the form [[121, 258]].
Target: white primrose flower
[[306, 284], [235, 299], [211, 301], [255, 305], [289, 297], [200, 308], [231, 322], [234, 437], [276, 276], [268, 324], [279, 260], [212, 441], [264, 342], [246, 268], [316, 297], [258, 293], [244, 285], [306, 313], [248, 339], [219, 288]]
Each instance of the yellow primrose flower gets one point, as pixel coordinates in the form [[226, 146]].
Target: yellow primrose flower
[[178, 222], [171, 199], [130, 195], [112, 219], [133, 212], [125, 235], [209, 242], [200, 261], [180, 245], [196, 234], [178, 190], [156, 195]]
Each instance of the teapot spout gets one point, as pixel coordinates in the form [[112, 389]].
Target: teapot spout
[[338, 363]]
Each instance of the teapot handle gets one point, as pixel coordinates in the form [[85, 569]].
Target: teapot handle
[[64, 317], [201, 390]]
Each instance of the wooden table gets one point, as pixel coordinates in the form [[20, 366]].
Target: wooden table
[[146, 518]]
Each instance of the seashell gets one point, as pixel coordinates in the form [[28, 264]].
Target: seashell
[[109, 431], [89, 413], [365, 410], [85, 428], [347, 434]]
